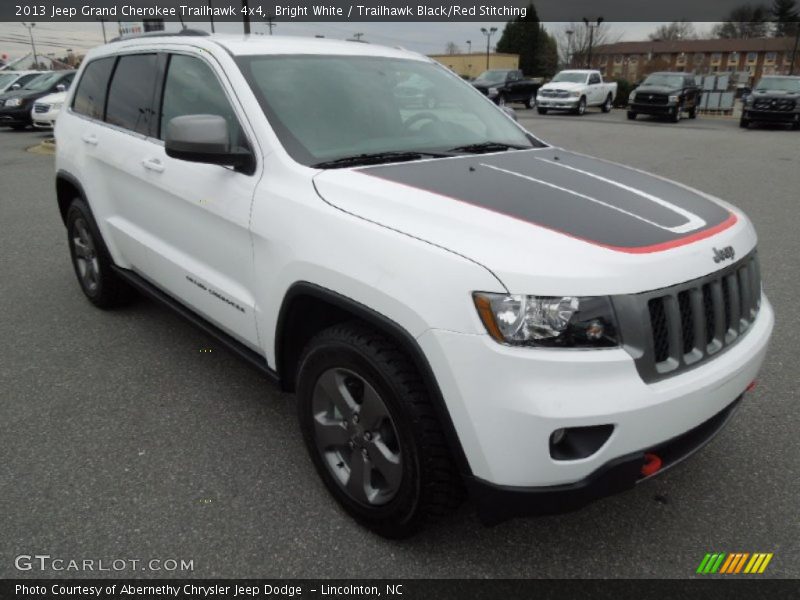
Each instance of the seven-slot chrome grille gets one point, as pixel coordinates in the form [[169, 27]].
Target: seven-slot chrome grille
[[648, 98], [676, 328]]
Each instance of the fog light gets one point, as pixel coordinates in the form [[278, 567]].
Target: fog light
[[557, 436]]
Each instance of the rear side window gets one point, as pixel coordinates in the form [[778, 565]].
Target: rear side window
[[130, 98], [90, 97], [192, 88]]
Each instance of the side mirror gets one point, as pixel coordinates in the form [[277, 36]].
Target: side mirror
[[510, 112], [205, 139], [61, 87], [16, 86]]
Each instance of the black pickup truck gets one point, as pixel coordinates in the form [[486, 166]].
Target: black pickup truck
[[667, 95], [775, 99], [507, 85]]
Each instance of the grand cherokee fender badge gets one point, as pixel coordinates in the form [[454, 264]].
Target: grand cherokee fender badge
[[723, 254]]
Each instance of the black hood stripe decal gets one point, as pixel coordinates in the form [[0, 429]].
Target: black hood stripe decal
[[598, 202]]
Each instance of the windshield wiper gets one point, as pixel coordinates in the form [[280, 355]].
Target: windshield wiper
[[377, 158], [487, 147]]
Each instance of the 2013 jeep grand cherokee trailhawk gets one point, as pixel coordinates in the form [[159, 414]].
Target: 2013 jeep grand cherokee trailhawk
[[459, 306]]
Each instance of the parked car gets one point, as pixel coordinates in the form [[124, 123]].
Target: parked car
[[575, 90], [456, 304], [15, 106], [665, 94], [46, 109], [507, 85], [14, 80], [775, 99]]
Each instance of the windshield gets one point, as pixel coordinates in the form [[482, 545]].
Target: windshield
[[493, 76], [42, 82], [570, 77], [662, 80], [325, 108], [778, 84]]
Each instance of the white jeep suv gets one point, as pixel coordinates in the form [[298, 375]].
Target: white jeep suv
[[459, 306]]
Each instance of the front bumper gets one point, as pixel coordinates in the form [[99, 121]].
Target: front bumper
[[557, 103], [15, 115], [46, 120], [663, 110], [771, 116], [505, 402]]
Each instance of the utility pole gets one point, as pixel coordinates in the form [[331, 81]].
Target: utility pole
[[246, 17], [269, 19], [33, 46], [103, 25], [794, 52], [357, 36], [488, 33], [569, 33], [592, 27], [211, 15]]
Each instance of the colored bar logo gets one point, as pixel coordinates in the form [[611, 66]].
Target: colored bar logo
[[734, 563]]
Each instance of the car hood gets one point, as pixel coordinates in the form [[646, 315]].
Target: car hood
[[53, 98], [22, 94], [563, 85], [657, 89], [548, 221], [776, 93]]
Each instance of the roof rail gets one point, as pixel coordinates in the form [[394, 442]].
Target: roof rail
[[182, 32]]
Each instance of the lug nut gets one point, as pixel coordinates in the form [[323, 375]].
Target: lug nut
[[368, 436], [365, 454], [352, 444], [355, 418]]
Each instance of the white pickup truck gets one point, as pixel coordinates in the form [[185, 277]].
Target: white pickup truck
[[574, 90]]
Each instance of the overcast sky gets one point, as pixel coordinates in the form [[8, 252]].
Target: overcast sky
[[427, 37]]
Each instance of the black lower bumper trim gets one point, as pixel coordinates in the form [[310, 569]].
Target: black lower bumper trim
[[497, 503], [657, 110]]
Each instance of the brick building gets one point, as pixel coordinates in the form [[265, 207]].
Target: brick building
[[752, 58], [472, 65]]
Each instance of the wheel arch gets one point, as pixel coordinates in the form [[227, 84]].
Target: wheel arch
[[67, 189], [308, 308]]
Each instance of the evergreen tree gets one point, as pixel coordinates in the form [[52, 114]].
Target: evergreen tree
[[526, 37]]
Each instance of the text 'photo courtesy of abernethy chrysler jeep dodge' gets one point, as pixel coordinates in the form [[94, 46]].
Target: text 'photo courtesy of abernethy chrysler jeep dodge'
[[461, 309]]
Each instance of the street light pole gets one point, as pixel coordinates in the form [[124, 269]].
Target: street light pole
[[33, 46], [591, 27], [469, 46], [488, 33], [569, 33]]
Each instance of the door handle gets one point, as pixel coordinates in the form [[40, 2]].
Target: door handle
[[153, 164], [90, 139]]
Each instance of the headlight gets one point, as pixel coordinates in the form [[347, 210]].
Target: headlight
[[56, 106], [632, 97], [15, 102], [674, 99], [575, 94], [492, 92], [551, 321]]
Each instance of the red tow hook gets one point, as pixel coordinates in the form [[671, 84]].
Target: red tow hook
[[652, 464], [751, 386]]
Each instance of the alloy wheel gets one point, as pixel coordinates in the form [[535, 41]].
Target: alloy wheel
[[86, 258], [356, 437]]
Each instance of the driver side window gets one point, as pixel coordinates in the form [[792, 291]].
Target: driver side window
[[192, 88]]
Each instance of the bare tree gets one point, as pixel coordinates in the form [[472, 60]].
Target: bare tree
[[747, 21], [573, 48], [452, 48], [678, 30]]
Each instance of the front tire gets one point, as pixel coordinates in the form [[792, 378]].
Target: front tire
[[91, 260], [744, 123], [501, 100], [581, 108], [676, 117], [541, 111], [631, 115], [371, 431]]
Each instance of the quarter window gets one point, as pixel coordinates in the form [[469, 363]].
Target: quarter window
[[90, 97], [130, 98], [192, 88]]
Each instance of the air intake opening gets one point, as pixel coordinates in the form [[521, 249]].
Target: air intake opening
[[573, 443]]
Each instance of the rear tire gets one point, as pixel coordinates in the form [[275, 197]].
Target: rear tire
[[744, 123], [606, 107], [693, 113], [91, 260], [541, 111], [372, 432], [19, 126], [531, 101]]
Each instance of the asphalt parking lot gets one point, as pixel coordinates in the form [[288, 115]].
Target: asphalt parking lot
[[123, 439]]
